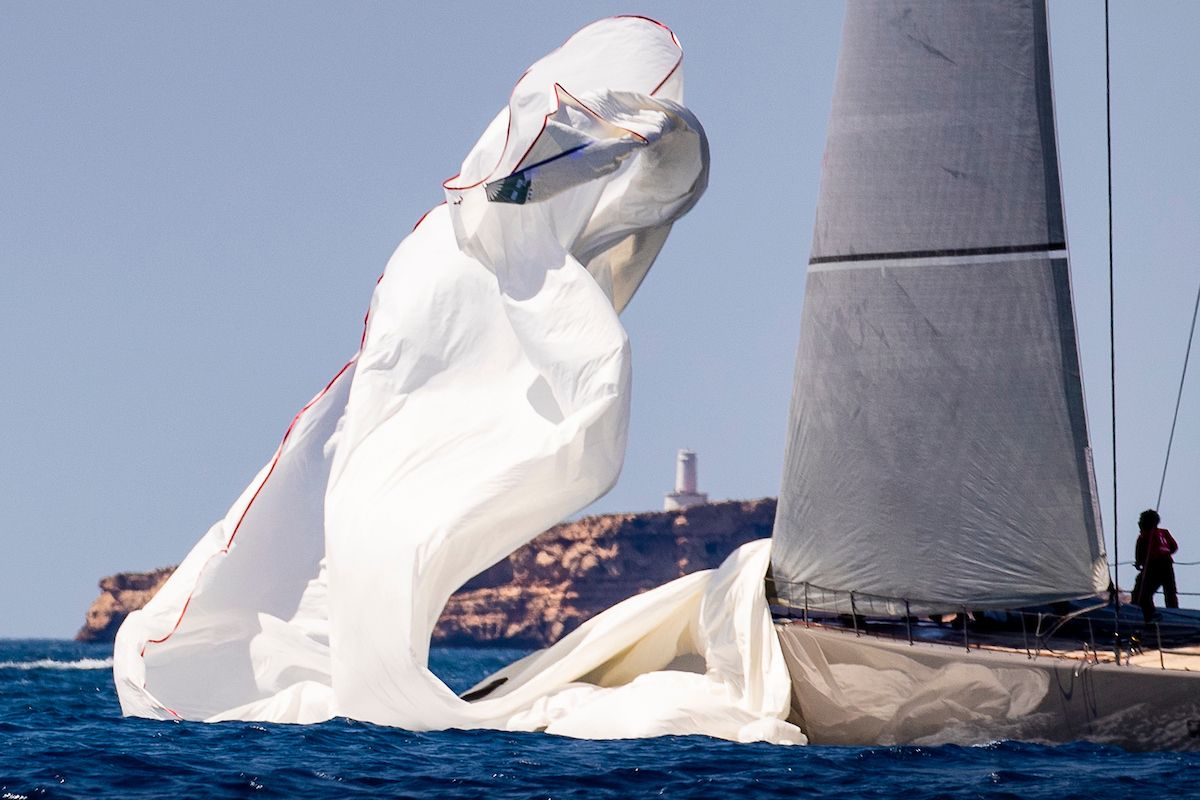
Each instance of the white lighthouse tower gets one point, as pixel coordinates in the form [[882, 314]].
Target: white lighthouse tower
[[685, 493]]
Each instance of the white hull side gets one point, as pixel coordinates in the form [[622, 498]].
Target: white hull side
[[869, 690]]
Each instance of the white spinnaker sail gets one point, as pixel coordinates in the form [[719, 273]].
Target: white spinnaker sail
[[938, 446], [489, 400]]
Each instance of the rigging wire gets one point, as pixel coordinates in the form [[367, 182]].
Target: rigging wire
[[1112, 346], [1112, 334], [1170, 439]]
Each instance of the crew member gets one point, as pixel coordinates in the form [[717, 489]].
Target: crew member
[[1152, 556]]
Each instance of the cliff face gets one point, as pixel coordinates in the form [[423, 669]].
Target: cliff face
[[547, 588], [119, 595], [574, 570]]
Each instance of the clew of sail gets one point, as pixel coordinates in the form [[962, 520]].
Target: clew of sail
[[938, 443]]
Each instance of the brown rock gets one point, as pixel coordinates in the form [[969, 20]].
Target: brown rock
[[120, 594], [547, 588]]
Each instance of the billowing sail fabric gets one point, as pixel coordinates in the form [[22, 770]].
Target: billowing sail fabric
[[938, 447], [489, 400]]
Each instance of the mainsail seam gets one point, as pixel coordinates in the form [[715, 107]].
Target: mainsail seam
[[833, 265]]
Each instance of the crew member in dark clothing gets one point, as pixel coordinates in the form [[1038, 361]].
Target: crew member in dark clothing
[[1152, 556]]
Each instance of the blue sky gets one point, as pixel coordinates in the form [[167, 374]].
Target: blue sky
[[196, 200]]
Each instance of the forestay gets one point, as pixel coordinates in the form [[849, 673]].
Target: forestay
[[938, 444]]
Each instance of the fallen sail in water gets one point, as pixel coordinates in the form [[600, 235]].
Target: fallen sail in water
[[489, 400]]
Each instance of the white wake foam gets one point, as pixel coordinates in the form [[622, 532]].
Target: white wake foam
[[49, 663]]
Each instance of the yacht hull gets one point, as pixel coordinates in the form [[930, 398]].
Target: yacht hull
[[866, 690]]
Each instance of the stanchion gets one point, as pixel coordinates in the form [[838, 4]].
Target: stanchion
[[854, 614], [1025, 636]]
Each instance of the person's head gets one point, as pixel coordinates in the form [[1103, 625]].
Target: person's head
[[1148, 520]]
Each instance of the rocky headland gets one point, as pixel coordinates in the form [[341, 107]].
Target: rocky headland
[[547, 588], [120, 594]]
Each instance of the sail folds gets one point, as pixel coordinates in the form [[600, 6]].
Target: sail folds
[[938, 446], [488, 400]]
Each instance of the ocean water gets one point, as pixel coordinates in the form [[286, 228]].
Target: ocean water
[[62, 735]]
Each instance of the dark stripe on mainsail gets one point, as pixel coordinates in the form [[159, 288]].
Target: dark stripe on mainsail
[[999, 250]]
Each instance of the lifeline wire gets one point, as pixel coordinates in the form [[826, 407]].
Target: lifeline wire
[[1170, 439]]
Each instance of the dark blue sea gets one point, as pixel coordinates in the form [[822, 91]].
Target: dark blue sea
[[62, 735]]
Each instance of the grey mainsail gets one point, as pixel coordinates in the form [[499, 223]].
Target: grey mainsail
[[938, 446]]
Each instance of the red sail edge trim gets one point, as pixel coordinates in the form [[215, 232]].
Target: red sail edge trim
[[274, 461], [448, 183]]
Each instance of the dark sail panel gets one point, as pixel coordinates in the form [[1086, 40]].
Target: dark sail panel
[[942, 132], [938, 446]]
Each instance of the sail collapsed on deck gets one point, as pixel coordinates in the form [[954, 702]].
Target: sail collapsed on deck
[[938, 444]]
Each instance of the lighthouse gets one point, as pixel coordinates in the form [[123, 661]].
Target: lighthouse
[[685, 493]]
